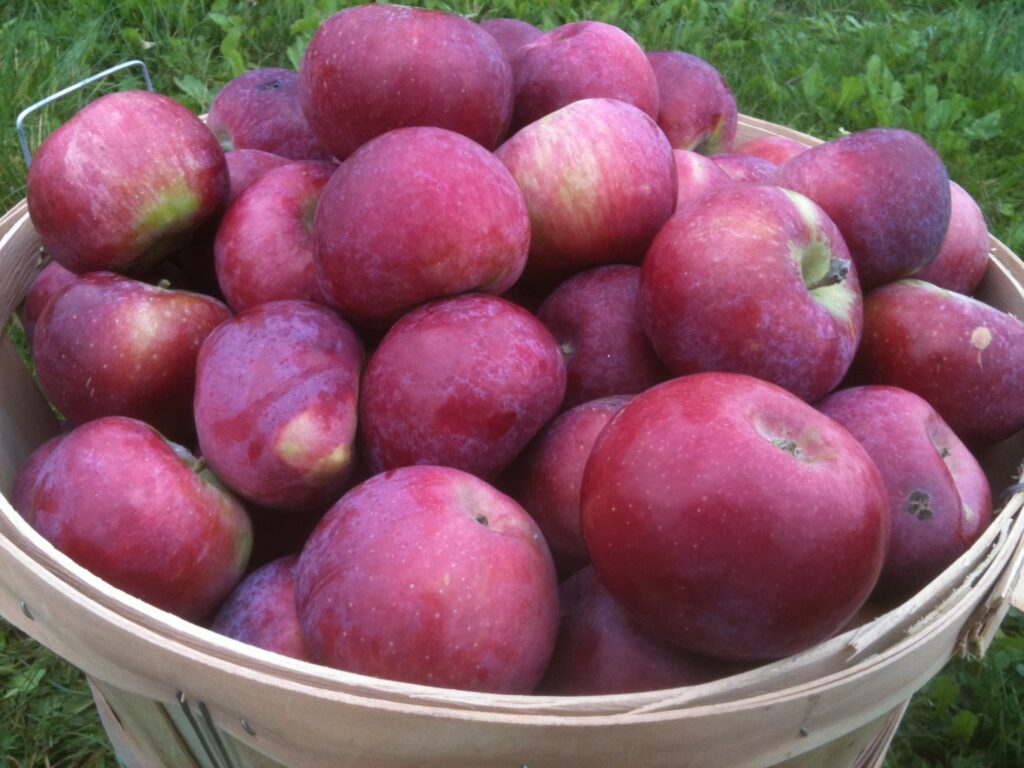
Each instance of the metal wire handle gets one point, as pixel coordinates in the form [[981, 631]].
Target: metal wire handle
[[19, 123]]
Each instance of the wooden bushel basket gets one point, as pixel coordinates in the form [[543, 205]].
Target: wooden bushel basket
[[172, 694]]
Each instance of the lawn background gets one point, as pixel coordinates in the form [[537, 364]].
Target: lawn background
[[953, 72]]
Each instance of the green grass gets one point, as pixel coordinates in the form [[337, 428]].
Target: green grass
[[953, 72]]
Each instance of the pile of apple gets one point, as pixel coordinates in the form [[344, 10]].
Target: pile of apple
[[474, 310]]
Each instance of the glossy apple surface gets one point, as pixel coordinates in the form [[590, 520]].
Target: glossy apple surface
[[698, 176], [464, 382], [774, 149], [732, 519], [740, 167], [45, 285], [697, 110], [511, 34], [757, 280], [275, 404], [429, 575], [938, 493], [247, 165], [107, 192], [963, 256], [120, 501]]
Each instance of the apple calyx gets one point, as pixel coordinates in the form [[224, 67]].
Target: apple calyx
[[921, 505]]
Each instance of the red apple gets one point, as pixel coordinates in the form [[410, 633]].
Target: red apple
[[886, 190], [964, 357], [259, 109], [731, 518], [593, 317], [547, 476], [108, 192], [414, 215], [263, 250], [373, 68], [963, 257], [740, 167], [511, 34], [109, 345], [581, 60], [247, 165], [774, 149], [599, 179], [429, 575], [938, 493], [697, 109], [275, 404], [27, 480], [119, 500], [261, 611], [45, 286], [753, 279], [601, 650], [698, 176], [464, 382]]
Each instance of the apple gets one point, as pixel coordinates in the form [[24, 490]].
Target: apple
[[247, 165], [740, 167], [511, 34], [599, 179], [753, 279], [109, 345], [45, 285], [413, 215], [107, 192], [263, 250], [601, 650], [938, 493], [697, 109], [377, 67], [963, 256], [581, 60], [964, 357], [122, 502], [774, 149], [698, 175], [259, 109], [886, 190], [429, 575], [464, 382], [27, 479], [275, 403], [546, 477], [261, 611], [593, 317], [731, 518]]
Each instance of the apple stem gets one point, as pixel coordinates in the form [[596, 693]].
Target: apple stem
[[163, 283], [199, 464], [838, 270]]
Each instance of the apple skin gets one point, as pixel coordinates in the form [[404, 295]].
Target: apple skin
[[697, 108], [592, 316], [599, 179], [27, 479], [377, 67], [938, 493], [740, 167], [511, 34], [464, 382], [725, 286], [45, 286], [259, 109], [546, 477], [774, 149], [275, 405], [109, 345], [247, 165], [886, 190], [469, 587], [963, 257], [261, 611], [698, 176], [732, 519], [107, 192], [414, 215], [182, 542], [263, 250], [601, 650], [581, 60], [964, 357]]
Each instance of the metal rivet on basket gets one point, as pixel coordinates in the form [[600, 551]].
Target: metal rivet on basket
[[247, 728], [26, 611], [804, 733]]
